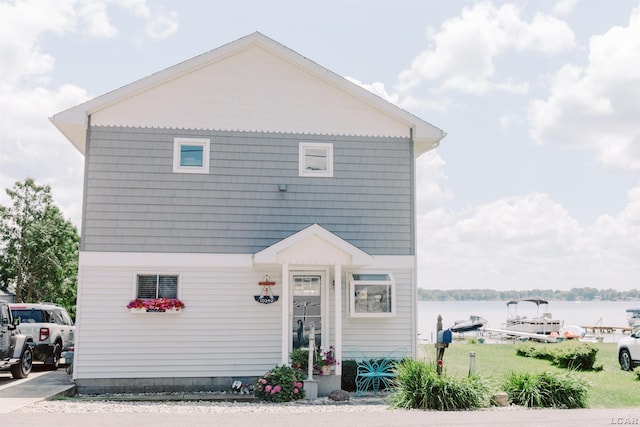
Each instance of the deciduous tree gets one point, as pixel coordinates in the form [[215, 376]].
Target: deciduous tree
[[38, 247]]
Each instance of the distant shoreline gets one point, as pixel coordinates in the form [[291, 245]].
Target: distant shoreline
[[575, 294]]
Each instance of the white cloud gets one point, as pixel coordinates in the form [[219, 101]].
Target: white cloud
[[461, 55], [528, 242], [564, 7], [597, 106], [94, 13], [430, 177]]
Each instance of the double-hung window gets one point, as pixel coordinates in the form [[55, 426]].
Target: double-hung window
[[315, 159], [152, 286], [191, 155], [372, 295]]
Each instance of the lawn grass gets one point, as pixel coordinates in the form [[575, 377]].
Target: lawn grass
[[610, 388]]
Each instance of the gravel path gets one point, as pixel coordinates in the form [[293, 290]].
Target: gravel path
[[76, 406]]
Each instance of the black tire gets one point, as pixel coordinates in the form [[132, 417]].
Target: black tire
[[624, 357], [23, 369], [54, 362]]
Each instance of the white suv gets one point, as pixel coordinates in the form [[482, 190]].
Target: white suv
[[629, 351], [51, 328]]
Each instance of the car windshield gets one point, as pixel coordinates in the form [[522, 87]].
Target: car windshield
[[30, 316]]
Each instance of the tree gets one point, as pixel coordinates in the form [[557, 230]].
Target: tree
[[38, 247]]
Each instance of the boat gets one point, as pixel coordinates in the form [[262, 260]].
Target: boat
[[572, 332], [540, 322], [471, 324], [633, 316]]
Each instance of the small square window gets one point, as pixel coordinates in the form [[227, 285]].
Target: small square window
[[191, 155], [372, 295], [151, 286], [315, 159]]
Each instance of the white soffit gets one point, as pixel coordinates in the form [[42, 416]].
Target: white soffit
[[251, 84]]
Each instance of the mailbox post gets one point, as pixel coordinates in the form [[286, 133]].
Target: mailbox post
[[445, 337]]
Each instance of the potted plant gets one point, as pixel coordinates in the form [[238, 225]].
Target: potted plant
[[327, 361], [299, 359]]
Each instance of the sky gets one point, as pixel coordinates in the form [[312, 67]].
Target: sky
[[537, 184]]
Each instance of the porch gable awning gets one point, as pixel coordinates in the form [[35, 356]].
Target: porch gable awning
[[313, 245]]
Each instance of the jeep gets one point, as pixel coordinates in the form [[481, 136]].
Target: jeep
[[16, 353], [51, 328], [629, 351]]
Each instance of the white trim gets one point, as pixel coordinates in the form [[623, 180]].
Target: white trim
[[205, 143], [337, 274], [302, 157], [351, 294], [286, 314]]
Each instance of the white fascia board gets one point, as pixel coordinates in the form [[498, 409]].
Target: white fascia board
[[172, 260]]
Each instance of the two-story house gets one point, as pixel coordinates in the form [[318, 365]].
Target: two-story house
[[247, 161]]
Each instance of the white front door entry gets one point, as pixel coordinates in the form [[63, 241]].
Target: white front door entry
[[307, 295]]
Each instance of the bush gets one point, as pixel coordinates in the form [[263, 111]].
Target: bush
[[546, 390], [418, 386], [349, 371], [281, 384], [569, 354]]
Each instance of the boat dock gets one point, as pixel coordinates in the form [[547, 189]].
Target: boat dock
[[599, 329], [518, 334]]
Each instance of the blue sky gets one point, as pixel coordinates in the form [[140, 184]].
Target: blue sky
[[537, 184]]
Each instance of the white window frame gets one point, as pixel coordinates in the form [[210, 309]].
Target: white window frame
[[302, 164], [205, 143], [147, 273], [362, 306]]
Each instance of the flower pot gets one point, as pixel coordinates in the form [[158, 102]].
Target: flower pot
[[326, 370]]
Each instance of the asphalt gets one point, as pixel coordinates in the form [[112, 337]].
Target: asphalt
[[39, 385], [45, 385]]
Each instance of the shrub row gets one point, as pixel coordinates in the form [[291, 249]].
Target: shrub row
[[546, 390], [569, 354], [418, 386]]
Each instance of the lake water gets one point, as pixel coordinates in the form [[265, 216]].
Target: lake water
[[582, 313]]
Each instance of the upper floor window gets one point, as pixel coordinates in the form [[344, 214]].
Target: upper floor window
[[316, 159], [152, 286], [191, 155]]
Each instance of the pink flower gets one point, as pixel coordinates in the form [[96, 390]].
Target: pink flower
[[268, 389], [295, 391], [277, 389], [263, 381]]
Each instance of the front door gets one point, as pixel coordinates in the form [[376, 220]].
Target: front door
[[307, 289]]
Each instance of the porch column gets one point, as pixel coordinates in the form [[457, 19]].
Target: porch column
[[337, 274], [286, 331]]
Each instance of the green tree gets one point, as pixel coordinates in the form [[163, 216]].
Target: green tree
[[38, 247]]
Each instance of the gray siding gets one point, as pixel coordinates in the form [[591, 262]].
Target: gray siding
[[135, 203]]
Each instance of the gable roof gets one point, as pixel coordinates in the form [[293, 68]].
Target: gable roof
[[313, 245], [138, 99]]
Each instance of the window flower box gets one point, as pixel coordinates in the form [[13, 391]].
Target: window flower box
[[157, 305]]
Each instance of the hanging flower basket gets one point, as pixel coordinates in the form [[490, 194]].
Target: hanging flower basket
[[157, 305]]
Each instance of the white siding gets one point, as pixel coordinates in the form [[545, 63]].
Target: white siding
[[229, 94], [222, 332]]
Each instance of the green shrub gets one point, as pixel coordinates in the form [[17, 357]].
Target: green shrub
[[576, 355], [637, 372], [568, 354], [546, 390], [349, 370], [418, 386], [299, 359], [281, 384]]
